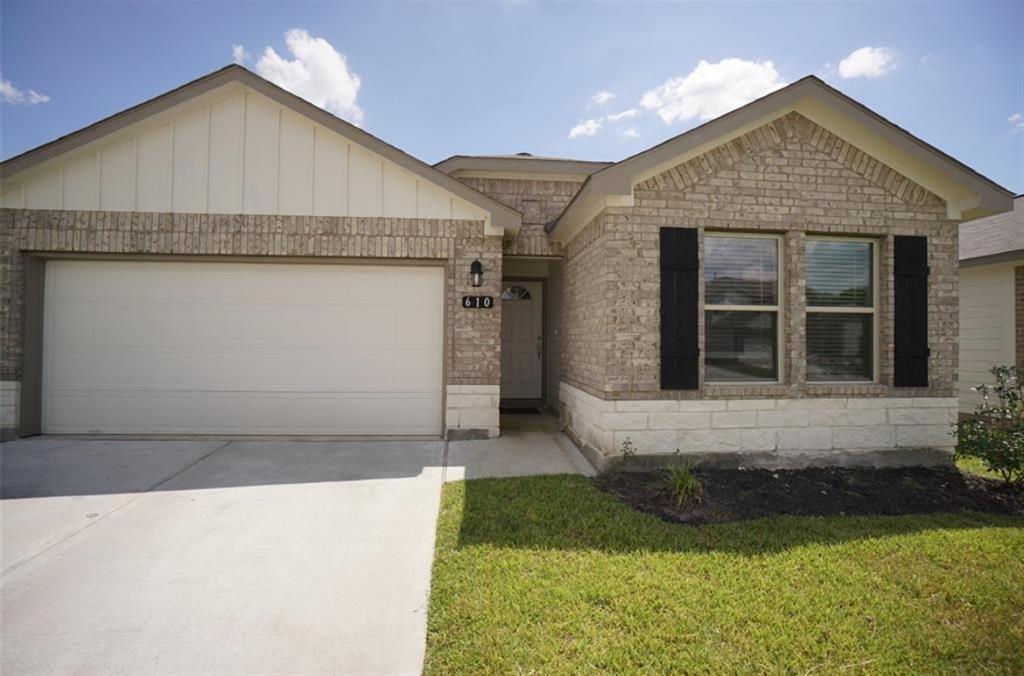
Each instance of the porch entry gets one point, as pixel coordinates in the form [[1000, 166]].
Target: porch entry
[[522, 340]]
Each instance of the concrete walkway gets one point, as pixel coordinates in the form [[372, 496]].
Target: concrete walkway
[[241, 557], [528, 445]]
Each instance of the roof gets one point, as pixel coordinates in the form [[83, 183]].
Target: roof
[[993, 238], [520, 163], [966, 191], [502, 216]]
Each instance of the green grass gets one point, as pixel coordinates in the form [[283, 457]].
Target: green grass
[[976, 466], [547, 575]]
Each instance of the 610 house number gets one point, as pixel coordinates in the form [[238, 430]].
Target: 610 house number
[[477, 302]]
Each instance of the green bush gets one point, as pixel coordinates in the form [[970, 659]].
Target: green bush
[[685, 486], [995, 433]]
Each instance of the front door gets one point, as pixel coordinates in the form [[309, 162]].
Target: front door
[[522, 340]]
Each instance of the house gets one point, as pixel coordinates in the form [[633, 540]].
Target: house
[[777, 286], [992, 294]]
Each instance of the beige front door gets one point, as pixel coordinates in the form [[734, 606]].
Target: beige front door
[[522, 340]]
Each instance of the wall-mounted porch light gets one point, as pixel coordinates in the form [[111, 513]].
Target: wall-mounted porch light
[[476, 273]]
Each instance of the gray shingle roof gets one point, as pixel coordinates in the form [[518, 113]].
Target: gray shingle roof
[[994, 235]]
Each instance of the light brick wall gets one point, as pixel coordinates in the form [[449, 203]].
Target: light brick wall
[[764, 432], [790, 177], [10, 391], [540, 202], [473, 337], [473, 407]]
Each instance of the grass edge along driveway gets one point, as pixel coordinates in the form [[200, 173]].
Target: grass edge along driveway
[[549, 575]]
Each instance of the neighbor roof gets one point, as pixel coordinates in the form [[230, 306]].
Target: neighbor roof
[[520, 163], [994, 238], [502, 216], [980, 193]]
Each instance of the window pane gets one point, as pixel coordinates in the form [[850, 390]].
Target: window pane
[[741, 271], [740, 346], [839, 346], [839, 274]]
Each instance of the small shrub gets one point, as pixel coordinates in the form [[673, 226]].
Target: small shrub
[[995, 433], [685, 486], [628, 451]]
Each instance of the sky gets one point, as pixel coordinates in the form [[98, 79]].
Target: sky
[[587, 81]]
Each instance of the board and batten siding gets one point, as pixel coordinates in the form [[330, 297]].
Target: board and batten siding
[[986, 327], [233, 151]]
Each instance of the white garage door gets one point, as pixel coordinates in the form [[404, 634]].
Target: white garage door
[[239, 348]]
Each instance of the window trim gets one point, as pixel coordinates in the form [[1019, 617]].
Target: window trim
[[873, 310], [780, 287]]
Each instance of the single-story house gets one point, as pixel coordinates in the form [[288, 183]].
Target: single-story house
[[777, 286], [992, 299]]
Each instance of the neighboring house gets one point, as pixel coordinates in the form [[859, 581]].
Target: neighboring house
[[777, 286], [992, 298]]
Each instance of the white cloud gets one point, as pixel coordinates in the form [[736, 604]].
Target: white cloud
[[240, 56], [624, 115], [870, 62], [712, 89], [1017, 120], [927, 59], [602, 97], [585, 128], [629, 132], [318, 73], [20, 97]]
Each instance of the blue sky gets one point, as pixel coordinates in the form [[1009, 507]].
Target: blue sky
[[441, 79]]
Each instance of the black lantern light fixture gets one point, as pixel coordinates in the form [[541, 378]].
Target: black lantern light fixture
[[476, 273]]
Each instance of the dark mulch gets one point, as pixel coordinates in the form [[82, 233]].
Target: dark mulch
[[735, 495]]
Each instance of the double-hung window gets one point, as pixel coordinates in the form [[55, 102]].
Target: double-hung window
[[841, 309], [741, 308]]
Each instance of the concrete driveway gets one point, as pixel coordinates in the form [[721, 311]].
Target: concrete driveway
[[146, 557]]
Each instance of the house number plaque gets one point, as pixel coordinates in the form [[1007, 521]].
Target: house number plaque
[[477, 302]]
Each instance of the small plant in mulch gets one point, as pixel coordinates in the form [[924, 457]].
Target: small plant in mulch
[[686, 487], [994, 434], [627, 451]]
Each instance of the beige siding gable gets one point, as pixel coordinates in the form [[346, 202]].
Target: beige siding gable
[[987, 323], [232, 150]]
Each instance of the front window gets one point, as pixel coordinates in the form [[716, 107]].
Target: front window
[[840, 310], [741, 303]]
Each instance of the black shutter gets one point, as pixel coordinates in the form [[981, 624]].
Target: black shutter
[[911, 339], [679, 268]]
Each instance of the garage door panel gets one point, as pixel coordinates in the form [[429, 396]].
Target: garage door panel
[[125, 284], [69, 370], [370, 327], [419, 327], [415, 372], [71, 281], [71, 325], [242, 348], [414, 287]]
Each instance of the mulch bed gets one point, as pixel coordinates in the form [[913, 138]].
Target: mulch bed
[[735, 495]]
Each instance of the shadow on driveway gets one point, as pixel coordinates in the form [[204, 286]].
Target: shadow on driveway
[[49, 466]]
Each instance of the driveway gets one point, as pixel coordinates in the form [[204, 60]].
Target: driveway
[[143, 557]]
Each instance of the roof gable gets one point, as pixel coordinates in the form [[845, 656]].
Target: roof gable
[[965, 192], [994, 237], [265, 177]]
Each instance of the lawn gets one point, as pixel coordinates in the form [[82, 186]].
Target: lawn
[[976, 466], [549, 575]]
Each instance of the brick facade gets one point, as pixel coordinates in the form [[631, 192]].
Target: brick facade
[[473, 337], [789, 177], [539, 201]]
